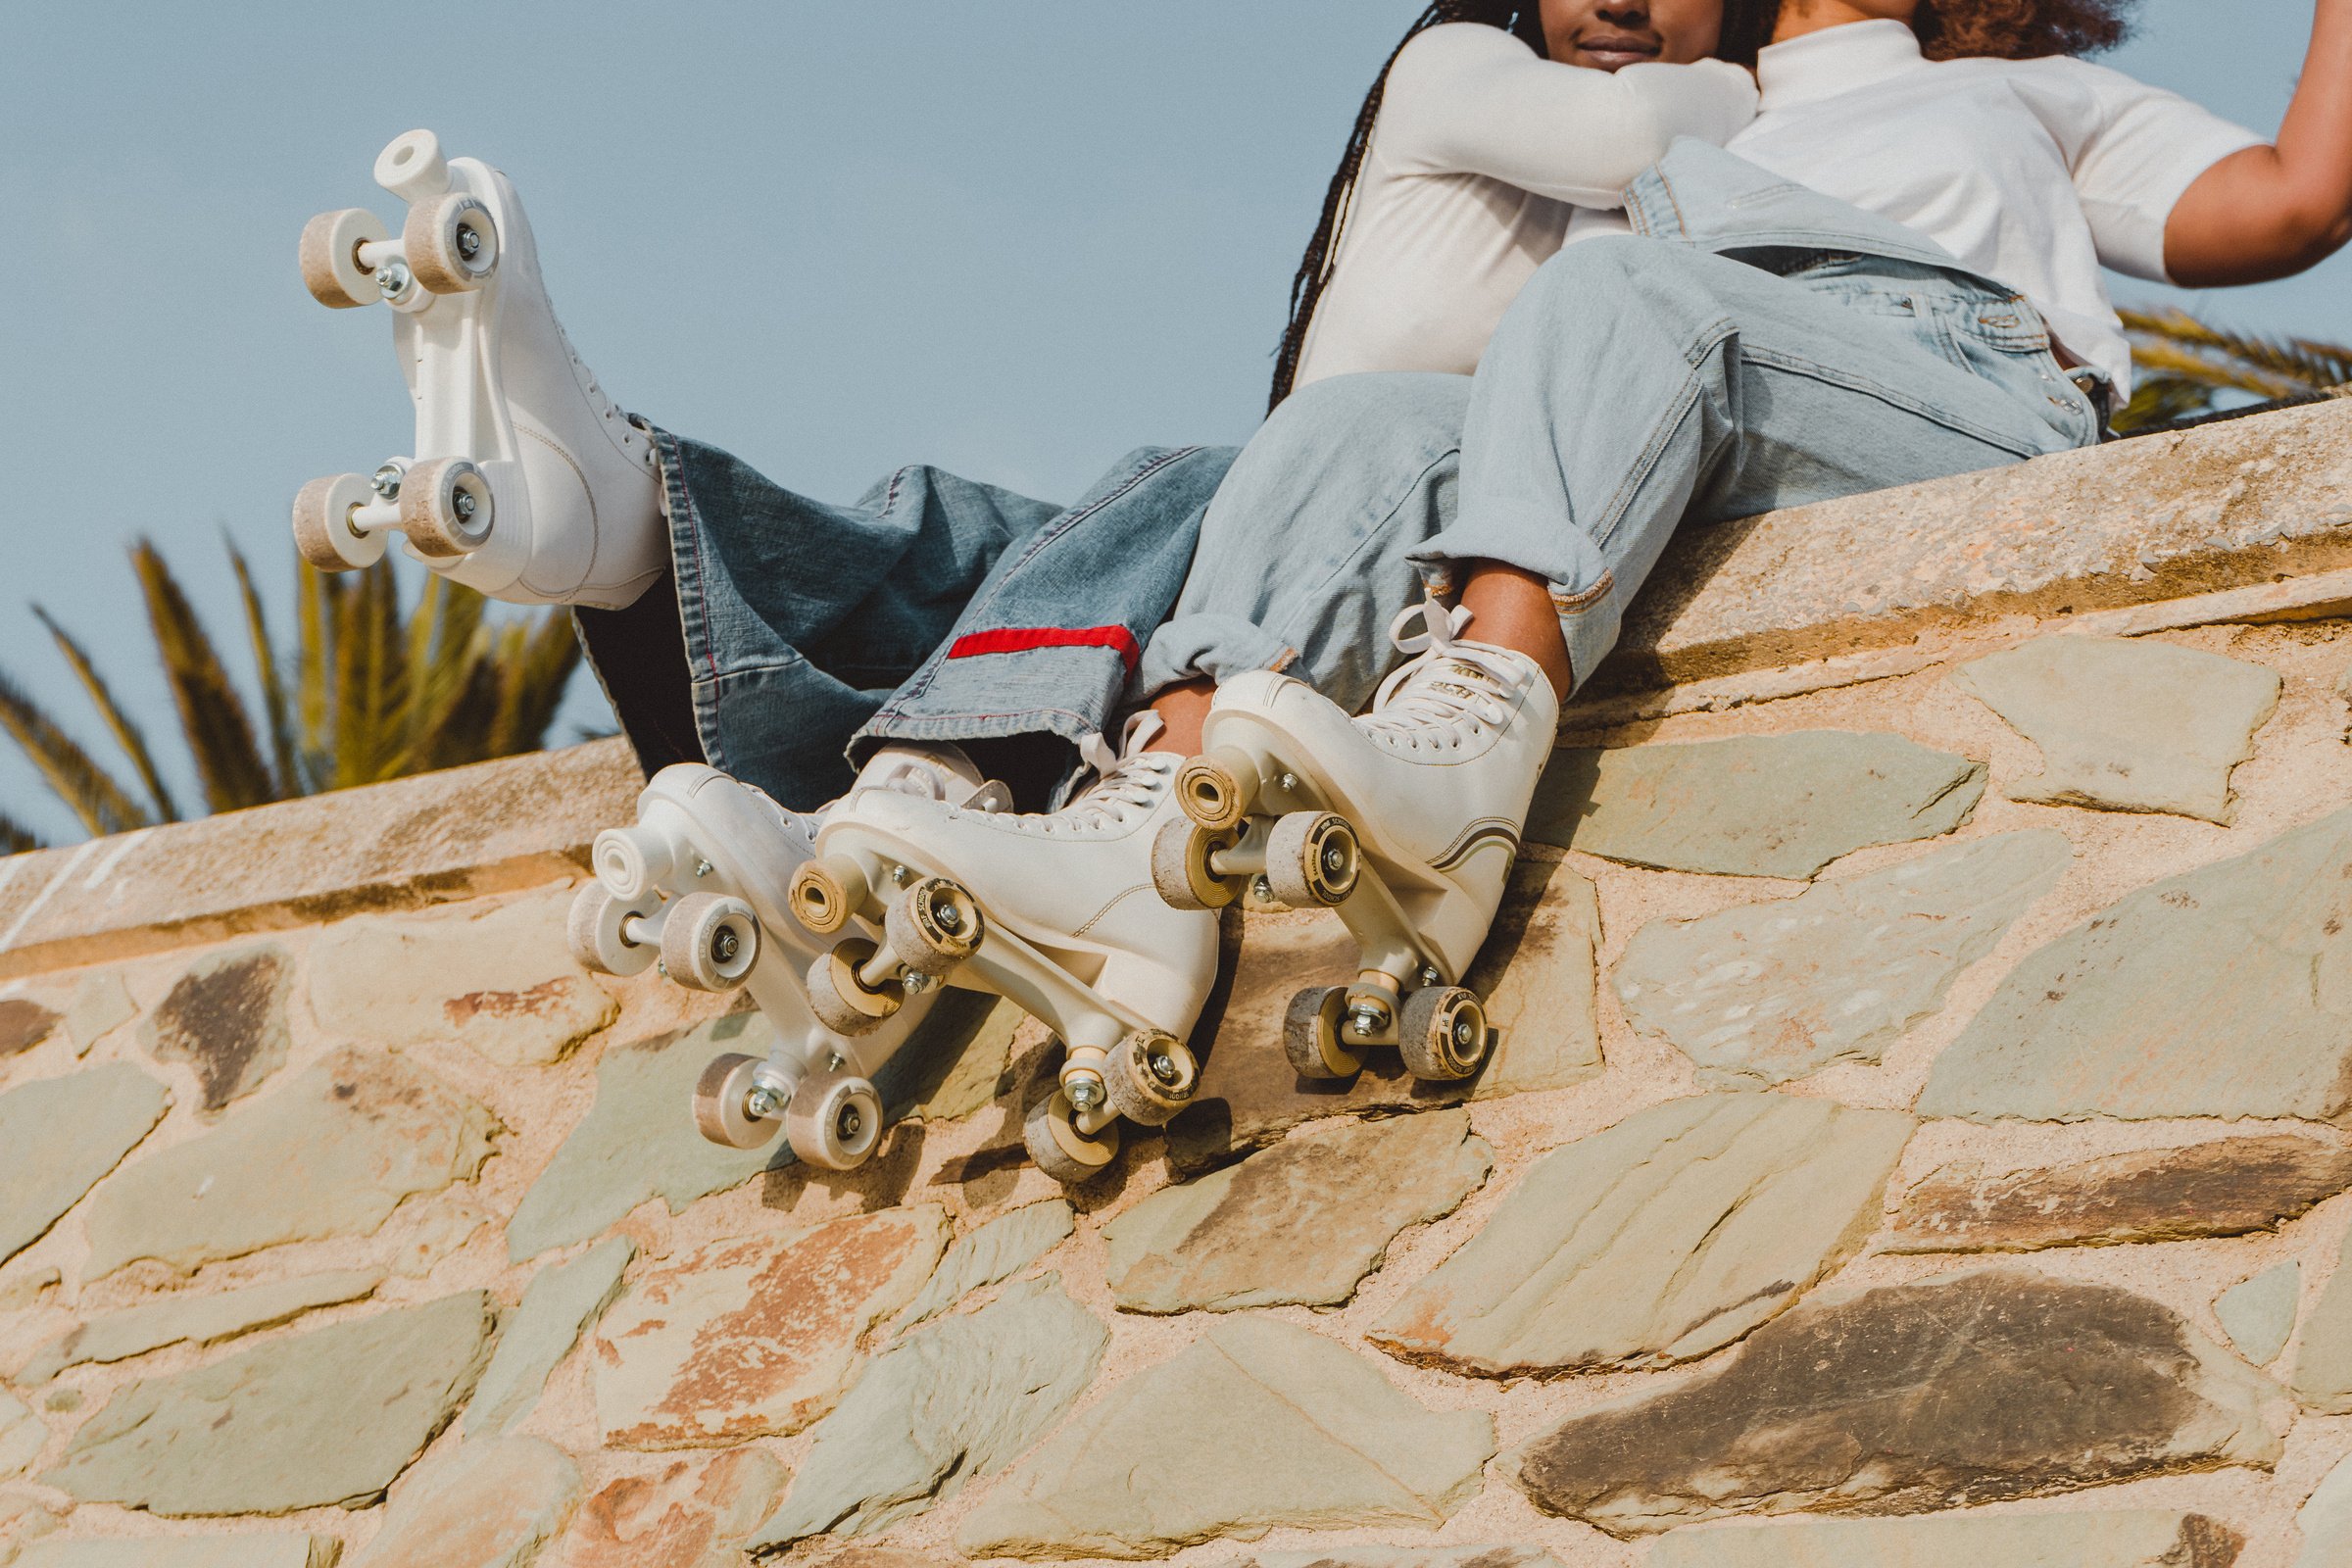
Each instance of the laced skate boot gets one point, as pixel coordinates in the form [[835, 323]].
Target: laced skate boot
[[1054, 912], [1406, 821], [526, 483], [699, 884]]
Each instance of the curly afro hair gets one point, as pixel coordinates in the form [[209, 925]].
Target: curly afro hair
[[1952, 29]]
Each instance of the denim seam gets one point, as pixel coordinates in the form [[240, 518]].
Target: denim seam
[[694, 609], [1365, 539], [1828, 376], [1686, 401]]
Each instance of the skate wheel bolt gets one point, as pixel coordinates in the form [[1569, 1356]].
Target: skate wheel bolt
[[1165, 1068], [725, 944], [469, 243], [899, 875], [851, 1124], [1263, 888], [1290, 781], [1335, 860], [393, 278], [762, 1104], [385, 481], [1367, 1022], [1429, 975], [702, 869], [915, 984], [1464, 1035], [464, 506], [1086, 1091]]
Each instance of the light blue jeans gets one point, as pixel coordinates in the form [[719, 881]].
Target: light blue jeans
[[1772, 348]]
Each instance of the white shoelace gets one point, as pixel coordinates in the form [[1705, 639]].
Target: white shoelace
[[1132, 776], [1448, 681]]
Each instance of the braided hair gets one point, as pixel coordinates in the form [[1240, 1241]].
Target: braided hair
[[1322, 251]]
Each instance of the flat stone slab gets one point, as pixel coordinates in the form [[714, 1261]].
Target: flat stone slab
[[756, 1336], [22, 1437], [1765, 992], [2326, 1520], [560, 1304], [2224, 992], [502, 982], [1664, 1238], [479, 1505], [1281, 1428], [1537, 971], [1781, 806], [2123, 1538], [58, 1136], [1301, 1222], [952, 1402], [201, 1319], [696, 1512], [1911, 1398], [225, 1017], [996, 1252], [23, 1025], [1400, 1557], [331, 1151], [2258, 1315], [2322, 1366], [276, 1549], [101, 1005], [277, 1428], [2127, 724]]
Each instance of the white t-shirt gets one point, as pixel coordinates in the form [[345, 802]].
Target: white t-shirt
[[2032, 173], [1481, 149]]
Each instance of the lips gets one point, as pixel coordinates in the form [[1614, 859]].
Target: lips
[[1613, 51]]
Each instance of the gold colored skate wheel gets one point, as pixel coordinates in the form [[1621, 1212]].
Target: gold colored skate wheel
[[322, 530], [330, 258], [1060, 1149], [934, 927], [451, 244], [843, 1002], [446, 508], [825, 893], [1310, 1035], [1442, 1034], [1180, 867], [1217, 788], [1151, 1076], [722, 1110], [1312, 859]]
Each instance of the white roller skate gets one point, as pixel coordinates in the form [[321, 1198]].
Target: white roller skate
[[1055, 912], [1405, 820], [525, 483], [699, 885]]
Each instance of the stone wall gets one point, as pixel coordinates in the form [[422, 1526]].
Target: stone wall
[[1917, 1142]]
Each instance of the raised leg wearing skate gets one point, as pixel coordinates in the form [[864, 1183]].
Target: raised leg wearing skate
[[523, 480], [1054, 912]]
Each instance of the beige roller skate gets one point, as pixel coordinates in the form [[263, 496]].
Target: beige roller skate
[[1405, 820], [699, 884], [524, 481], [1054, 912]]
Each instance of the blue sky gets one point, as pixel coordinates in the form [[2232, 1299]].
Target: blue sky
[[1015, 239]]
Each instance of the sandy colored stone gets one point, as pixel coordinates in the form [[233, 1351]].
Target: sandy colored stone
[[23, 1025], [950, 1402], [2325, 1521], [23, 1519], [1781, 806], [25, 1287], [2322, 1367], [58, 1136], [996, 1252], [696, 1513], [1280, 1427], [1353, 1557], [2224, 992], [1537, 970], [275, 1550], [2121, 1538], [501, 982], [562, 1302], [21, 1435], [2127, 724], [101, 1005], [1662, 1238], [757, 1335], [279, 1428], [480, 1505], [2229, 1187], [1301, 1222], [2258, 1315], [1910, 1399], [953, 1063], [1764, 993], [331, 1151], [225, 1018], [205, 1319]]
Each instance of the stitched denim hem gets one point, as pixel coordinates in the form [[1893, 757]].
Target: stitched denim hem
[[1206, 646], [688, 573], [1584, 591]]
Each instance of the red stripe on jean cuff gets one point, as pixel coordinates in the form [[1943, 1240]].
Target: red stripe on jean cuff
[[1021, 639]]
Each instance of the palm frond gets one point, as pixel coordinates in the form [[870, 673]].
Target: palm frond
[[2186, 367], [127, 735], [212, 716], [73, 776], [15, 838], [275, 710]]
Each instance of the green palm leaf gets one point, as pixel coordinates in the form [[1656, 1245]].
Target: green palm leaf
[[212, 716], [127, 734], [2185, 366], [14, 837], [274, 707], [72, 775]]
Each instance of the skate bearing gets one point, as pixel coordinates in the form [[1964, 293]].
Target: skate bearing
[[1312, 859]]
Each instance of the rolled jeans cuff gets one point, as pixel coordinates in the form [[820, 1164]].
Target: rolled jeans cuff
[[1206, 646], [1541, 542]]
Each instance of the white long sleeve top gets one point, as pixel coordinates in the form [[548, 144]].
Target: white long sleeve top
[[1481, 152]]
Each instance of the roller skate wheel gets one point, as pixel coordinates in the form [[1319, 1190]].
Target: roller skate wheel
[[411, 166], [1180, 867], [834, 1122], [630, 862], [723, 1105], [1312, 859], [593, 932], [1442, 1034], [825, 892], [934, 927], [446, 508], [1060, 1149], [1151, 1077], [1217, 788], [1310, 1035], [451, 244], [322, 530], [708, 942], [330, 256], [841, 1001]]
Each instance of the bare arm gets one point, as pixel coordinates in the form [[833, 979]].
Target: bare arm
[[2272, 212]]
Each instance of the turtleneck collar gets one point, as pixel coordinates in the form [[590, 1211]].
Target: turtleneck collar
[[1836, 60]]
